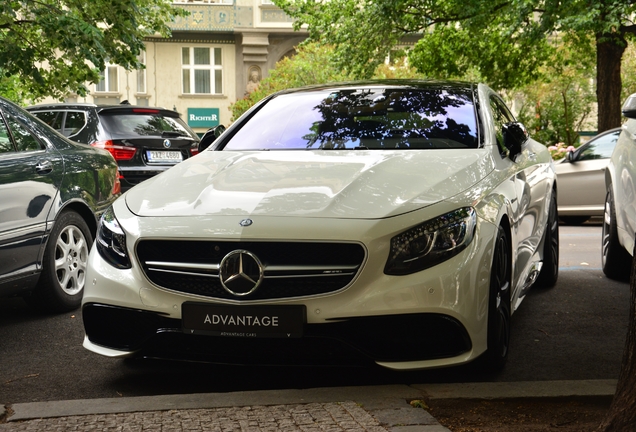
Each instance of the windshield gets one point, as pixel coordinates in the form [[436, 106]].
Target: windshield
[[368, 118], [130, 125]]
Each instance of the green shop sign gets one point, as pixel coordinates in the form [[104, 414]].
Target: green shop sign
[[203, 117]]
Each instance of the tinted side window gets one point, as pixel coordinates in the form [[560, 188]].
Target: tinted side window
[[600, 148], [6, 146], [75, 121], [24, 141], [501, 116], [51, 118]]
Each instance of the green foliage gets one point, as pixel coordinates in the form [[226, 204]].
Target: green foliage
[[506, 43], [313, 64], [12, 89], [56, 46], [554, 109], [628, 73]]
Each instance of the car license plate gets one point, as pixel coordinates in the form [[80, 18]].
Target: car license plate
[[163, 156], [243, 321]]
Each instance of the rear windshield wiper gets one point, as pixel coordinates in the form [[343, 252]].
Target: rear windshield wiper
[[172, 134]]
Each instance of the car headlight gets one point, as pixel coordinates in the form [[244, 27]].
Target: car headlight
[[111, 241], [432, 242]]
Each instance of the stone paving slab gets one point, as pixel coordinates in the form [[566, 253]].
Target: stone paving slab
[[346, 416]]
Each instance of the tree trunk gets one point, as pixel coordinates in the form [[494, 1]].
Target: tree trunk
[[609, 53], [621, 416]]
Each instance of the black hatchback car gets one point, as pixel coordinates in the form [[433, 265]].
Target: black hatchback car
[[143, 140], [52, 190]]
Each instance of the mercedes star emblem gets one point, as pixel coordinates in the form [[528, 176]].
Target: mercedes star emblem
[[246, 222], [240, 272]]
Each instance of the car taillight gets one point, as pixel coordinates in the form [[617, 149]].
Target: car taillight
[[118, 152], [194, 151]]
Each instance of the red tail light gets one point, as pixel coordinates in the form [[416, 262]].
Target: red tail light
[[146, 110], [118, 152], [194, 151]]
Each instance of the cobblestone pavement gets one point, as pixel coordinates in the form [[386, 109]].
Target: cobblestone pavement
[[318, 417]]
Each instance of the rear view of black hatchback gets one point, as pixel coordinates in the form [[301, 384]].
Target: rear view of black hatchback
[[143, 140]]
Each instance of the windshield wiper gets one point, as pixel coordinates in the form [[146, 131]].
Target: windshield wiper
[[172, 134]]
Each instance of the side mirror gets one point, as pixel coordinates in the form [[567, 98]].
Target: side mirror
[[569, 156], [629, 107], [514, 137], [210, 136]]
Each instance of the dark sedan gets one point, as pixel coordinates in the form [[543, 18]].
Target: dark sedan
[[51, 192]]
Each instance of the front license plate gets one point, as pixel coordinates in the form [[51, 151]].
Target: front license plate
[[163, 156], [243, 321]]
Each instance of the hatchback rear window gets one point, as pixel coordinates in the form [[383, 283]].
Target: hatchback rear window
[[363, 118], [127, 125]]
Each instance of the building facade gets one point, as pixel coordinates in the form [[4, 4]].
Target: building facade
[[215, 56]]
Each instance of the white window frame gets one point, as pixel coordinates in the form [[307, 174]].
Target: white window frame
[[106, 82], [191, 68]]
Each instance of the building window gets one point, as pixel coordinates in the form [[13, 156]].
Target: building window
[[108, 79], [141, 74], [202, 71]]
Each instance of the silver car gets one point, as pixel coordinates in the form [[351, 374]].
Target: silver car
[[619, 219], [581, 178]]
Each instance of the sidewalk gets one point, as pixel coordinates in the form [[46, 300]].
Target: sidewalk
[[348, 409]]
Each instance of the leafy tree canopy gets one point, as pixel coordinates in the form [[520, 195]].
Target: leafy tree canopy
[[505, 41], [314, 64], [56, 46]]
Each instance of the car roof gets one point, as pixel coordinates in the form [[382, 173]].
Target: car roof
[[387, 83], [101, 108], [81, 105]]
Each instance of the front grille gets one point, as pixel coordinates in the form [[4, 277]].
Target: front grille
[[291, 269]]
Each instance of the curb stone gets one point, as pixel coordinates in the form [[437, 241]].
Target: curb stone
[[372, 408]]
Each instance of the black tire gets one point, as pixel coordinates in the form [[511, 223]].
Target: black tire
[[63, 277], [499, 305], [615, 260], [550, 269], [574, 220]]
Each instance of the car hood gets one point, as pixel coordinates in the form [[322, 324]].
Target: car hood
[[321, 184]]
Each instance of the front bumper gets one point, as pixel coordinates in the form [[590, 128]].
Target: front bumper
[[386, 339]]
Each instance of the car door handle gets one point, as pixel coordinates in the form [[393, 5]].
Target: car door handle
[[44, 167]]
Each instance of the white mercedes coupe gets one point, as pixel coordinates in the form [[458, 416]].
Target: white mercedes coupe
[[396, 222]]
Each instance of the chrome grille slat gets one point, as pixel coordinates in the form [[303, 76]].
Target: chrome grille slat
[[291, 269]]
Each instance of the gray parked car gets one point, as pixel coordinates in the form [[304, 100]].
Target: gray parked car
[[581, 177]]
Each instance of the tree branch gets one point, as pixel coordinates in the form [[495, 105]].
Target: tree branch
[[16, 23]]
